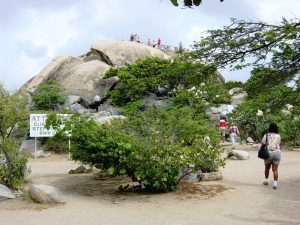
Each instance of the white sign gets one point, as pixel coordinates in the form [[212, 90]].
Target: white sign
[[37, 125]]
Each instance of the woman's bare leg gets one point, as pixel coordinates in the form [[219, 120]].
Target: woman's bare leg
[[275, 171], [267, 169]]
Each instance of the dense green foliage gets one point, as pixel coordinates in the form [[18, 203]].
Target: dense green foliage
[[150, 146], [13, 117], [273, 51], [272, 46], [233, 84], [149, 75], [48, 95]]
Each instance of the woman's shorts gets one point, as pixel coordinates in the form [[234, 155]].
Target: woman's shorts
[[274, 157], [223, 131]]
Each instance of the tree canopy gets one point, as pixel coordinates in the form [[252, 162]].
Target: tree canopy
[[273, 52], [48, 95], [256, 43], [13, 117]]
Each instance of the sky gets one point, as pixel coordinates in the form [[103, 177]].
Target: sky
[[33, 32]]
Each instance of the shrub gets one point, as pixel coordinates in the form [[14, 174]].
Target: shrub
[[149, 147], [13, 174], [13, 114], [48, 95]]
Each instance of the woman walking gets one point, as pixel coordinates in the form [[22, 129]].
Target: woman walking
[[272, 139]]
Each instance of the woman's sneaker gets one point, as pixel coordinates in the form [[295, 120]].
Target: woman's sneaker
[[275, 185], [265, 182]]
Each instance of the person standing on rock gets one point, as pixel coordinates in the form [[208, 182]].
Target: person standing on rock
[[234, 132], [74, 107], [97, 100], [158, 42], [272, 139], [222, 125]]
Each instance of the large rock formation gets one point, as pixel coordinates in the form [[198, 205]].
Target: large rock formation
[[121, 52], [83, 76]]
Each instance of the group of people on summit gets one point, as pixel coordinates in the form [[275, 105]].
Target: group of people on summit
[[153, 43]]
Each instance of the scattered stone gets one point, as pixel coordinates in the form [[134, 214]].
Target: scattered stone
[[238, 154], [5, 193], [89, 170], [40, 154], [44, 194], [250, 140], [211, 176], [189, 175], [80, 169]]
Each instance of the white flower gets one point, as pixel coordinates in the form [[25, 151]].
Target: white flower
[[289, 106], [192, 89], [217, 96], [259, 113]]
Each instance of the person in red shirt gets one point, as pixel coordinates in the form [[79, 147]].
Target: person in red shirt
[[222, 126], [158, 42]]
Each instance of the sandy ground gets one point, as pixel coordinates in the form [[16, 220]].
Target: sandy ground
[[239, 198]]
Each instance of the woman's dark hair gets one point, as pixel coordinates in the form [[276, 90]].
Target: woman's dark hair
[[273, 128]]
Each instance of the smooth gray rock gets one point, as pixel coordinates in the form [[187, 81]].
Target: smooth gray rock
[[105, 119], [234, 91], [121, 52], [238, 99], [189, 176], [211, 176], [85, 80], [239, 154], [54, 70], [80, 169], [40, 154], [28, 146], [44, 194], [71, 99], [250, 140], [5, 193]]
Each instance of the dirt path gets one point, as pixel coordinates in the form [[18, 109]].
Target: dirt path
[[93, 202]]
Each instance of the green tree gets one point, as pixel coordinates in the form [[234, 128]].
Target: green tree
[[146, 76], [48, 95], [13, 117], [272, 50], [256, 43]]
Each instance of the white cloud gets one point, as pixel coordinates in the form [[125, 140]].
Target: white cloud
[[53, 29], [34, 32], [273, 10]]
